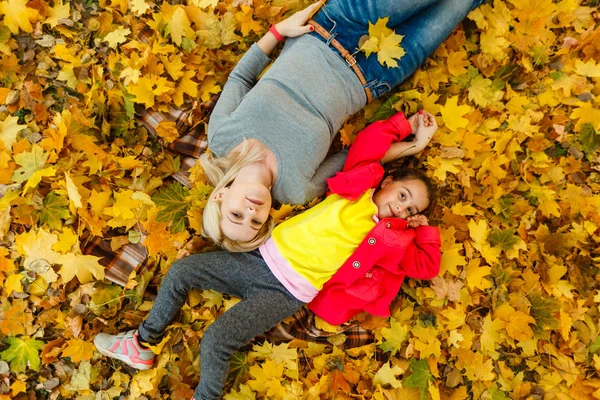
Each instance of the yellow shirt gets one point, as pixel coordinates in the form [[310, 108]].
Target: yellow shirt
[[317, 242]]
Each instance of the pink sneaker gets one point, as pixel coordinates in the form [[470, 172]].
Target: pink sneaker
[[125, 347]]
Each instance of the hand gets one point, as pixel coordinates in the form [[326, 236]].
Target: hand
[[296, 24], [423, 126], [417, 220]]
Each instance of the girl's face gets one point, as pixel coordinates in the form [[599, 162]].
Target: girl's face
[[245, 208], [401, 199]]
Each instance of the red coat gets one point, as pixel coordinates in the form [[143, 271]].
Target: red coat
[[372, 276]]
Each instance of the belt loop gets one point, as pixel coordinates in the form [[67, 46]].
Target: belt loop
[[331, 39]]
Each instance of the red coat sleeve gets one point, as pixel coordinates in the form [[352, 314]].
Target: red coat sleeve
[[422, 261], [375, 140], [363, 169]]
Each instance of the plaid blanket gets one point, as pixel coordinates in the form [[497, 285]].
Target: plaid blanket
[[191, 144]]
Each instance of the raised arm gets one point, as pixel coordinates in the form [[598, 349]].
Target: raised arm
[[380, 142], [289, 27], [245, 74], [423, 125]]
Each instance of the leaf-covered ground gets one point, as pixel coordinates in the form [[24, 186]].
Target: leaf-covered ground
[[514, 312]]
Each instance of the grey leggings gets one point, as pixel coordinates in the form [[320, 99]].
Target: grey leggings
[[265, 302]]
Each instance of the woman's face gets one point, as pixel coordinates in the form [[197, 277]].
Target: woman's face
[[245, 208]]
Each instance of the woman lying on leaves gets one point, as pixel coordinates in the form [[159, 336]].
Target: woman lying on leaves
[[271, 137], [348, 254]]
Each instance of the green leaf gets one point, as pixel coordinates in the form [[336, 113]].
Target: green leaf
[[394, 336], [498, 394], [385, 110], [129, 104], [5, 33], [22, 353], [543, 310], [503, 75], [465, 79], [238, 368], [589, 139], [173, 203], [30, 162], [505, 239], [55, 209], [595, 346], [106, 300], [419, 378]]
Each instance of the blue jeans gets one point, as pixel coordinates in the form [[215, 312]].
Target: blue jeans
[[425, 24]]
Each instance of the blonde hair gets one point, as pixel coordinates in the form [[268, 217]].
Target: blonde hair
[[221, 172]]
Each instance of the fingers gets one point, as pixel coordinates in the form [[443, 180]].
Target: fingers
[[308, 12]]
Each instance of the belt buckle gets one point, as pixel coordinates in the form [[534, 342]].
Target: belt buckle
[[351, 63]]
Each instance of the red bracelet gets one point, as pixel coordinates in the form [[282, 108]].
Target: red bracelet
[[275, 33]]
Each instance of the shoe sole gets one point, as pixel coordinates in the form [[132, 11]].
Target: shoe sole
[[121, 357]]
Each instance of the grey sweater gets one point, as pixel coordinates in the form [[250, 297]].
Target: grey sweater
[[295, 109]]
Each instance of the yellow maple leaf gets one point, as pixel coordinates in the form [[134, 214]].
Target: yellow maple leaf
[[264, 375], [478, 370], [18, 15], [37, 176], [205, 3], [370, 46], [586, 114], [73, 192], [117, 37], [461, 208], [426, 341], [590, 68], [66, 240], [476, 275], [98, 200], [146, 88], [380, 29], [67, 74], [390, 50], [142, 382], [386, 376], [443, 166], [18, 387], [180, 26], [247, 23], [545, 197], [13, 282], [457, 62], [478, 231], [452, 114], [186, 85], [385, 42], [58, 12], [451, 259], [139, 7], [208, 87], [9, 128], [174, 66], [517, 322], [490, 335], [494, 44], [82, 266], [168, 131], [17, 318], [79, 350]]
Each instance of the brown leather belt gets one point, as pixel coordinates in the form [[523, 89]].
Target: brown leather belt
[[345, 54]]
